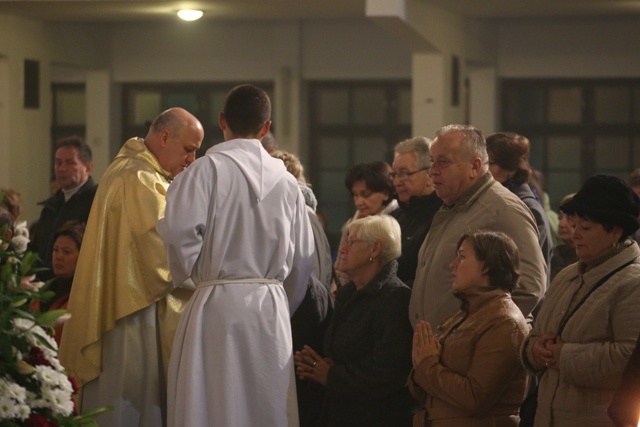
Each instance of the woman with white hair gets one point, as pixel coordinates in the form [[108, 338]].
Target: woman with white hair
[[367, 347]]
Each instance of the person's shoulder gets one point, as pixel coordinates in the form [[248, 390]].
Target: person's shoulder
[[513, 314], [503, 194], [398, 213], [396, 287], [503, 202], [52, 200], [88, 190]]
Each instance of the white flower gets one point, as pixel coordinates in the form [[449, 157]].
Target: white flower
[[52, 378], [22, 324], [12, 390], [13, 401], [7, 408], [23, 411], [59, 401], [28, 283], [21, 236], [34, 335]]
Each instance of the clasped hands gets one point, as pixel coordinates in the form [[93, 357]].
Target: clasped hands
[[425, 343], [546, 351], [310, 366]]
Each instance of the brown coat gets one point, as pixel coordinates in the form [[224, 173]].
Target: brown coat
[[478, 379]]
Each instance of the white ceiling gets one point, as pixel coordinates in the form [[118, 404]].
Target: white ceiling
[[154, 10]]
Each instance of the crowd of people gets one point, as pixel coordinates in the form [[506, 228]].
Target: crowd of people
[[203, 292]]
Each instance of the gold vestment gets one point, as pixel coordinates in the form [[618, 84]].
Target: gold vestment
[[122, 266]]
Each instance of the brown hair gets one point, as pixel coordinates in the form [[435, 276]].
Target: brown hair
[[510, 151], [246, 109], [72, 229], [499, 254], [84, 151], [376, 176]]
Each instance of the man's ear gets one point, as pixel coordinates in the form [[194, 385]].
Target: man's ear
[[89, 166], [222, 121], [163, 137], [264, 130], [476, 166]]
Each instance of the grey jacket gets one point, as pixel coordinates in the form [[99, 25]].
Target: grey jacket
[[487, 205], [599, 339]]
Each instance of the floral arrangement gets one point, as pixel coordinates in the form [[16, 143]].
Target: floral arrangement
[[35, 391]]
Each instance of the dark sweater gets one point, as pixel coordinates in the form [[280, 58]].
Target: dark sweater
[[415, 220]]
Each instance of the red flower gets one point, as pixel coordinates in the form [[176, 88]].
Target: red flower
[[74, 384], [36, 357], [37, 420]]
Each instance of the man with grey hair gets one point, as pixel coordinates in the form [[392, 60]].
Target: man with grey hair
[[417, 199], [473, 201]]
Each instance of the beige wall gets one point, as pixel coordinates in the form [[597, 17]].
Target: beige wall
[[290, 53], [24, 137]]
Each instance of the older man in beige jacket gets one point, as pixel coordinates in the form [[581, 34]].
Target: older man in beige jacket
[[473, 201]]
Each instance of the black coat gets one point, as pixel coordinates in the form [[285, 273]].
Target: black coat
[[415, 220], [55, 212], [369, 340], [308, 326]]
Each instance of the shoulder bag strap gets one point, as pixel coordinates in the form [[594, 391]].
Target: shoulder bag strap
[[592, 290]]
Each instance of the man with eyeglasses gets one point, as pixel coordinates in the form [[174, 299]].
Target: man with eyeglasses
[[472, 201], [417, 199]]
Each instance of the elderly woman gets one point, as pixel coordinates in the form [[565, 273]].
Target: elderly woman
[[469, 372], [367, 347], [373, 193], [589, 322]]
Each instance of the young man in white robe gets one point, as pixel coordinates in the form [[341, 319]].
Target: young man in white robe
[[236, 224]]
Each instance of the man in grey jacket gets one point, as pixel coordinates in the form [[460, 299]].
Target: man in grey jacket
[[473, 201]]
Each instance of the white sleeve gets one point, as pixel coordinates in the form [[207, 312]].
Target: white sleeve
[[185, 218]]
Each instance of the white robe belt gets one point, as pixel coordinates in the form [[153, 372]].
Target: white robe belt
[[229, 281]]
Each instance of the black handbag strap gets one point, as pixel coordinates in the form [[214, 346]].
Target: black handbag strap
[[592, 290]]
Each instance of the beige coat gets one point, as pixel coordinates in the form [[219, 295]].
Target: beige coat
[[478, 379], [599, 339], [487, 205]]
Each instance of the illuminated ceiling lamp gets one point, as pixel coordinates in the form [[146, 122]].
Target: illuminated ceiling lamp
[[190, 14]]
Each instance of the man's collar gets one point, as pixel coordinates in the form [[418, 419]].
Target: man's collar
[[69, 193], [472, 193]]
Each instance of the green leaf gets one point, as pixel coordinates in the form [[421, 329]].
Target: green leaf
[[49, 317], [44, 342], [23, 314]]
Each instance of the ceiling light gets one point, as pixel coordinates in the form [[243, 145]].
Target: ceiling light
[[189, 14]]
